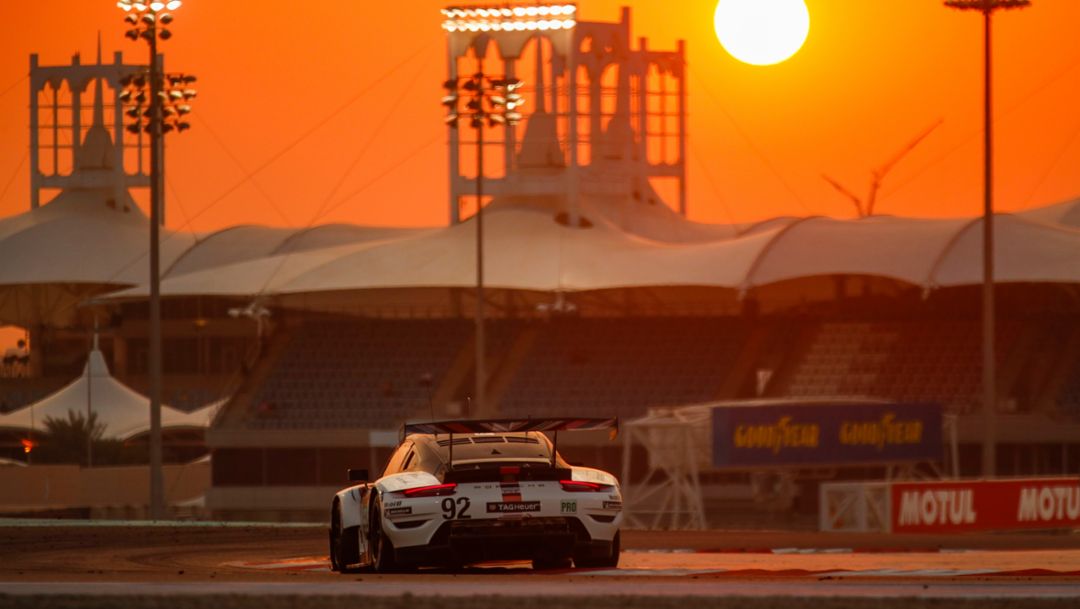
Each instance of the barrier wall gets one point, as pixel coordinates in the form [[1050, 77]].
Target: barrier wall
[[49, 487], [951, 506]]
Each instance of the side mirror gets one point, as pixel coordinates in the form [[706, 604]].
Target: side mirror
[[358, 475]]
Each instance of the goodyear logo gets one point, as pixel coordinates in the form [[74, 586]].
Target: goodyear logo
[[887, 431], [775, 437]]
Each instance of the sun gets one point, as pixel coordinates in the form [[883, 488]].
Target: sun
[[761, 32]]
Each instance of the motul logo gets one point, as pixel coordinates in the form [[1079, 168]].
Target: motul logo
[[1044, 503], [937, 507]]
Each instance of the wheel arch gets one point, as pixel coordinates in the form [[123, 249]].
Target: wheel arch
[[347, 504]]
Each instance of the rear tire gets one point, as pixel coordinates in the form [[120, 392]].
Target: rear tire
[[344, 544], [603, 562]]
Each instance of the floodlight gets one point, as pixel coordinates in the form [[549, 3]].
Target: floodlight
[[149, 19], [449, 100], [183, 109], [133, 113], [190, 93], [157, 6], [182, 126], [139, 6], [165, 34], [166, 19], [188, 78], [123, 4], [132, 34], [451, 119], [509, 19], [125, 96], [131, 18], [494, 119], [176, 95], [173, 5]]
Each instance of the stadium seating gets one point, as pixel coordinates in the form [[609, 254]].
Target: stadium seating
[[370, 373], [18, 392], [356, 374], [602, 367], [1069, 400], [924, 361]]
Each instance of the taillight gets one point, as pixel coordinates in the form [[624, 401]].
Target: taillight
[[435, 490], [581, 486]]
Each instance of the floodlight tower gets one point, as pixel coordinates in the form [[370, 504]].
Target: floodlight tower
[[94, 158], [492, 101], [605, 121], [631, 130], [989, 375], [148, 21]]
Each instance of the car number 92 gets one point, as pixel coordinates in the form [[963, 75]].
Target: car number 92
[[458, 508]]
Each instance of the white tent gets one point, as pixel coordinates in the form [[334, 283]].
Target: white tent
[[124, 412], [526, 248], [80, 244]]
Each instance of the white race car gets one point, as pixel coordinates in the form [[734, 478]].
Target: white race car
[[463, 492]]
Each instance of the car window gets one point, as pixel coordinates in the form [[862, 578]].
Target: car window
[[495, 447], [394, 465], [409, 459]]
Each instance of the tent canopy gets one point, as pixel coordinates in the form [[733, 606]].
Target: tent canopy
[[527, 248], [124, 412]]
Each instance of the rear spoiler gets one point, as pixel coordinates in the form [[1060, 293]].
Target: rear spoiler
[[510, 425]]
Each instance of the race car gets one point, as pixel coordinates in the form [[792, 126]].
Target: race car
[[462, 492]]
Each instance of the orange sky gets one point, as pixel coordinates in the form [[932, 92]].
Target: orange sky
[[871, 75]]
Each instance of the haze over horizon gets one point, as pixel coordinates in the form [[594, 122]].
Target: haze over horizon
[[358, 86]]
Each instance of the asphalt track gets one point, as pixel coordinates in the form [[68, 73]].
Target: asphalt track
[[51, 558]]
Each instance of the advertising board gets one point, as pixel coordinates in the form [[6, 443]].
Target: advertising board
[[793, 434], [984, 505]]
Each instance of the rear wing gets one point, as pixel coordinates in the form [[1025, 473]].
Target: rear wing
[[511, 426]]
